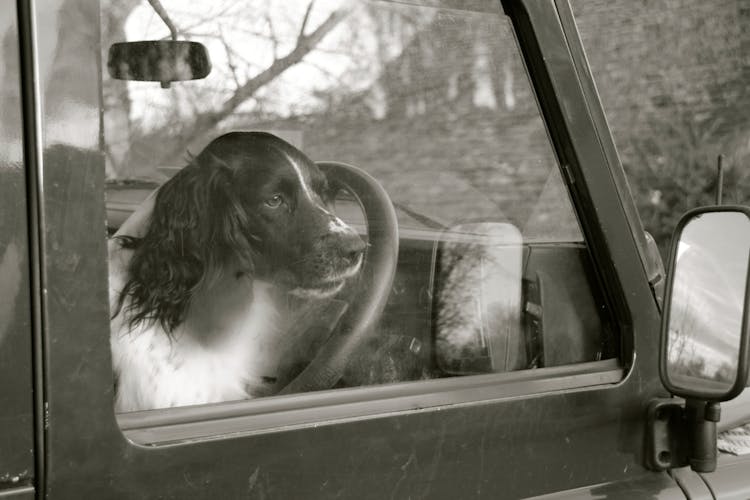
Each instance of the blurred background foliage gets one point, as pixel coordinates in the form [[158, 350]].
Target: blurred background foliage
[[673, 77]]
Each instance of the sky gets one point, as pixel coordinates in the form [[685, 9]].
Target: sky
[[238, 34]]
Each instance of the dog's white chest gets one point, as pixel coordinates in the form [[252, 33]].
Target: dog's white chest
[[156, 371]]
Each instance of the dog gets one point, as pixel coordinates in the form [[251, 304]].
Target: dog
[[202, 275]]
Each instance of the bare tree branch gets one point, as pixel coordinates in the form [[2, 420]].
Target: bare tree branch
[[332, 76], [230, 58], [272, 32], [187, 30], [305, 19], [204, 122]]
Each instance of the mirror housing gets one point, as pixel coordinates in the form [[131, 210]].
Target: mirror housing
[[704, 336], [704, 331], [162, 61]]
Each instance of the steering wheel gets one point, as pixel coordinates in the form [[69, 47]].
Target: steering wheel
[[376, 278]]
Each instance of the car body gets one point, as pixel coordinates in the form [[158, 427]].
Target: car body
[[570, 431]]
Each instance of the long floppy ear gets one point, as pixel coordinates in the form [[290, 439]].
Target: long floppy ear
[[197, 226]]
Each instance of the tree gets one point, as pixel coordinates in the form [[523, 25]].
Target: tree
[[135, 148], [673, 81]]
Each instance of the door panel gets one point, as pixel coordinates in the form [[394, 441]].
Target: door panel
[[16, 390]]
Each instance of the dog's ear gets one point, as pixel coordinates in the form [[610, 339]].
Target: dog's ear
[[198, 227]]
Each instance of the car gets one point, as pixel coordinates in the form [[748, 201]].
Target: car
[[528, 342]]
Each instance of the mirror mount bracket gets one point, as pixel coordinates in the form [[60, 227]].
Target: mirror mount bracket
[[666, 423], [681, 432], [702, 417]]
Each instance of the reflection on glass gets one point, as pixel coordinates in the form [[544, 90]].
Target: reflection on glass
[[705, 322], [478, 298]]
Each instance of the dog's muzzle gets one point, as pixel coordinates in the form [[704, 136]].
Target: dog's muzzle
[[336, 258]]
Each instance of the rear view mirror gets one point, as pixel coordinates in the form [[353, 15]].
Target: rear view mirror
[[158, 61], [704, 337]]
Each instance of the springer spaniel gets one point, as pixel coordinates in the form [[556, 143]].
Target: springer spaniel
[[202, 274]]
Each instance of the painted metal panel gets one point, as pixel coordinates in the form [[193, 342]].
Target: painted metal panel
[[16, 403], [657, 486], [730, 480], [671, 485]]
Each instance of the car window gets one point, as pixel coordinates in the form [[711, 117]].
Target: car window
[[220, 267], [672, 82]]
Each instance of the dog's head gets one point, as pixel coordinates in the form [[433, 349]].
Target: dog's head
[[249, 204]]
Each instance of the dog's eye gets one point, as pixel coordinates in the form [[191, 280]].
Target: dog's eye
[[275, 201]]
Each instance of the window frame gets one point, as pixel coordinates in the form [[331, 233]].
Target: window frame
[[169, 425], [282, 413]]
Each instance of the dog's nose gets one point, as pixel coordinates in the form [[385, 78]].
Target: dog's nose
[[352, 247]]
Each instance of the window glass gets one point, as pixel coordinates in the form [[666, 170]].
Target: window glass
[[672, 77], [230, 277]]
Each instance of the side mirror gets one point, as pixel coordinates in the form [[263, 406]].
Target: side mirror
[[704, 336], [704, 332], [162, 61]]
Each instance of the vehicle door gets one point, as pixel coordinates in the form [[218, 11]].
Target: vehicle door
[[477, 119], [17, 391]]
